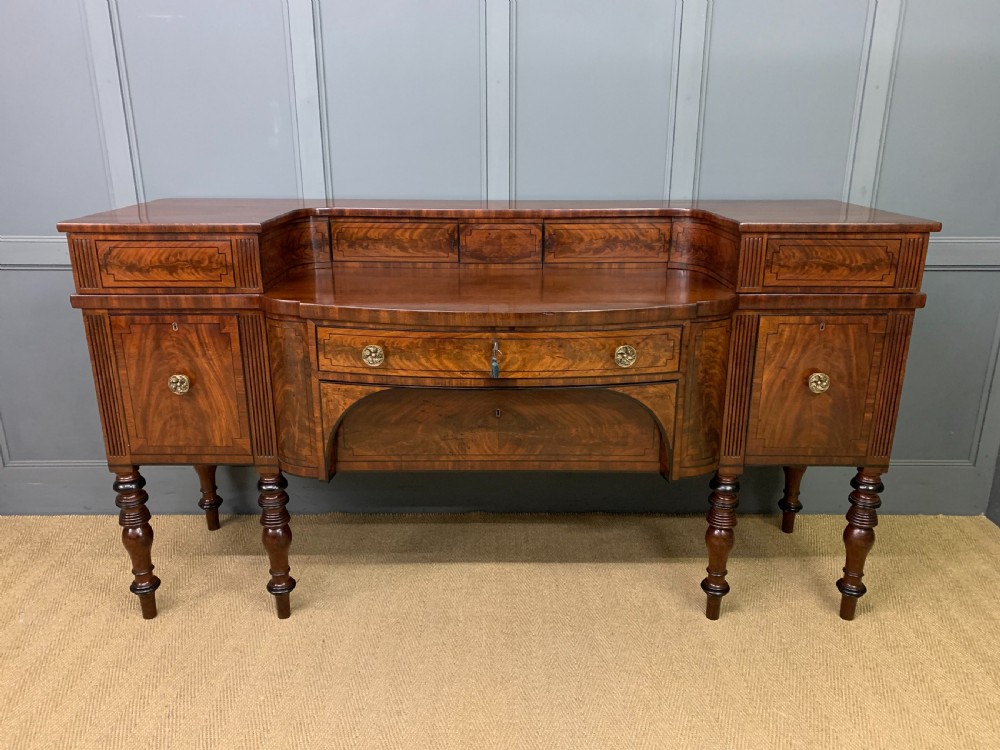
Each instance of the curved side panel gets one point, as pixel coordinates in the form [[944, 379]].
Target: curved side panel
[[704, 399], [660, 399], [335, 401], [291, 381]]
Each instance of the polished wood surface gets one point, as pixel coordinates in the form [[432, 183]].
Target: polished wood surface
[[311, 337]]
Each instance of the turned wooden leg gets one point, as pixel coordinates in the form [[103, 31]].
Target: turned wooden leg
[[137, 536], [859, 537], [277, 537], [719, 538], [789, 502], [210, 500]]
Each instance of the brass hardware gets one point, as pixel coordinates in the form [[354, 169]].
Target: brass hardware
[[179, 384], [819, 382], [373, 355], [495, 361], [625, 356]]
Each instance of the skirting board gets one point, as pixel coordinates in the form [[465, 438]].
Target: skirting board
[[910, 489]]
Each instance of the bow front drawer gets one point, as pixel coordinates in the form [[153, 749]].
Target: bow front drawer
[[426, 354]]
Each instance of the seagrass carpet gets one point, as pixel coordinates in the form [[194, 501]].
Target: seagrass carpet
[[486, 631]]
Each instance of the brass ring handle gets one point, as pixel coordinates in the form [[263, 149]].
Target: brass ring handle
[[819, 382], [625, 356], [179, 384], [373, 355]]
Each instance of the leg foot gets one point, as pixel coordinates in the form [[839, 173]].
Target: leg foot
[[210, 500], [719, 539], [789, 502], [277, 538], [137, 537], [859, 537]]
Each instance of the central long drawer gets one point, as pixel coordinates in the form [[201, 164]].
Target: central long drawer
[[584, 354]]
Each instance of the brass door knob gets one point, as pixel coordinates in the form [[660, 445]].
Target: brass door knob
[[373, 355], [179, 384], [819, 382], [625, 356]]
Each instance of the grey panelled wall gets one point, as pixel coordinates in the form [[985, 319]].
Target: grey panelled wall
[[890, 103]]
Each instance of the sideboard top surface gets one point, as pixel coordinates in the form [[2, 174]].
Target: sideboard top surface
[[521, 295], [253, 215]]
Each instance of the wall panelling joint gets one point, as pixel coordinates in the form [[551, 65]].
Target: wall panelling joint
[[884, 27]]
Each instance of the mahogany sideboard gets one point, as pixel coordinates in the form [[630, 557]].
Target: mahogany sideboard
[[311, 337]]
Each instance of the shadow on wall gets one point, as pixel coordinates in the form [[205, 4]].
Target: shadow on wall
[[460, 492]]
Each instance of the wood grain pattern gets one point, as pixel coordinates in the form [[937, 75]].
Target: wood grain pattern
[[335, 400], [395, 241], [661, 400], [185, 263], [109, 401], [255, 215], [752, 262], [246, 260], [291, 244], [786, 418], [497, 296], [291, 382], [500, 243], [266, 305], [635, 242], [456, 355], [738, 389], [911, 262], [253, 339], [83, 258], [806, 261], [707, 247], [890, 388], [705, 397], [212, 417], [591, 429]]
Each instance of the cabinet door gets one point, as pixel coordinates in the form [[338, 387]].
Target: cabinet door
[[201, 414], [830, 419]]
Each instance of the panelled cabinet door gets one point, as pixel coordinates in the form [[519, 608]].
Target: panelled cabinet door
[[814, 387], [182, 386]]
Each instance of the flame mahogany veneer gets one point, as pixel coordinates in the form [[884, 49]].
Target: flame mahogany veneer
[[311, 337]]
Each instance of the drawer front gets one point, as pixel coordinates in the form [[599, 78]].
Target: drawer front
[[395, 240], [804, 262], [815, 385], [542, 355], [501, 243], [613, 242], [138, 263], [204, 411]]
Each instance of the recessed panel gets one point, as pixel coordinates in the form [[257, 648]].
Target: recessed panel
[[403, 98], [592, 98], [211, 97], [941, 157], [780, 97], [51, 156], [47, 401], [949, 368]]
